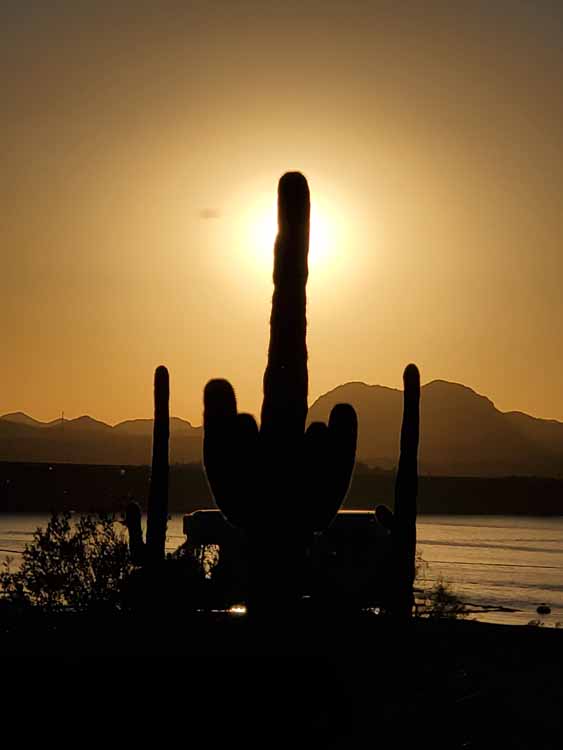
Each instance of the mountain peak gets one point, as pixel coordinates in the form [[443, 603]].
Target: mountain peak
[[145, 426], [85, 422], [462, 432], [455, 393], [20, 417]]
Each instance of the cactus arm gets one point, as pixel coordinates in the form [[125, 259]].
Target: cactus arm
[[330, 453], [343, 438], [284, 407], [230, 446], [157, 514], [248, 475], [219, 431], [406, 488], [315, 458]]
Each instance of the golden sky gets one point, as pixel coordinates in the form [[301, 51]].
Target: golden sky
[[141, 148]]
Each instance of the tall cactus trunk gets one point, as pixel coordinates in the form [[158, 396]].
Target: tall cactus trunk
[[406, 489], [284, 407], [157, 516], [279, 551]]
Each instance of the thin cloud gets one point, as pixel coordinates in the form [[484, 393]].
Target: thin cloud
[[209, 213]]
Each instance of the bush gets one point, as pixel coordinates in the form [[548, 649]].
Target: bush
[[76, 566], [442, 601], [439, 601]]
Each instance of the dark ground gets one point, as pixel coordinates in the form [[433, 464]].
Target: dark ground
[[343, 683]]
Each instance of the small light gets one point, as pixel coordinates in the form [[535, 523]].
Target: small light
[[237, 609]]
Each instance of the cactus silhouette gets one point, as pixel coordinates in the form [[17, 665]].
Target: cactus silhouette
[[157, 514], [402, 522], [157, 511], [281, 483], [135, 531]]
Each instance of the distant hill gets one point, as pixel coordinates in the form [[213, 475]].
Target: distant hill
[[145, 426], [88, 441], [462, 434], [19, 418]]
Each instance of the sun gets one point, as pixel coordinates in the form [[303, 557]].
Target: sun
[[246, 242], [263, 228]]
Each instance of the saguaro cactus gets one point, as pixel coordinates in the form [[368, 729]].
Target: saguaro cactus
[[157, 513], [280, 483], [402, 523]]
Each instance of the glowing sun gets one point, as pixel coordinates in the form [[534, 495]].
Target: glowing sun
[[265, 228]]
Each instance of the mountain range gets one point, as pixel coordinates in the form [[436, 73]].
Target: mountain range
[[88, 441], [462, 434]]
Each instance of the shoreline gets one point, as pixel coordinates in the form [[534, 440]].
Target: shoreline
[[520, 589]]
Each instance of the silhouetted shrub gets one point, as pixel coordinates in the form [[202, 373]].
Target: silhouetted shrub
[[441, 601], [70, 566]]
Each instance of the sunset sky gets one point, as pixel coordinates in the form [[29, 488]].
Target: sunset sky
[[141, 148]]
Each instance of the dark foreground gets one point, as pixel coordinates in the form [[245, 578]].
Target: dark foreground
[[344, 682]]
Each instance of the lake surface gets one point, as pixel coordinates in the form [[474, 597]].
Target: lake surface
[[508, 561], [503, 561]]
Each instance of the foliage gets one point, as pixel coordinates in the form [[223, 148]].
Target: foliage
[[420, 566], [438, 601], [441, 601], [70, 565]]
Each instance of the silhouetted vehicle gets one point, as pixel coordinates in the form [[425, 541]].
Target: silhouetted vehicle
[[349, 564]]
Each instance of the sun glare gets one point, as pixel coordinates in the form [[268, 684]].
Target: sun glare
[[263, 228], [248, 240]]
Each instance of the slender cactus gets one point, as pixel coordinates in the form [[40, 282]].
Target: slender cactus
[[402, 522], [134, 528], [157, 515], [280, 483]]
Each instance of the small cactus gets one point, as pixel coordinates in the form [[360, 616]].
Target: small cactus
[[281, 483], [157, 515], [157, 512], [402, 522]]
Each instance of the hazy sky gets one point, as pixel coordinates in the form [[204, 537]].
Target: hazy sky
[[141, 147]]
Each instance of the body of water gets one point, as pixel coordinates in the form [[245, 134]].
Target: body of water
[[504, 561], [512, 562]]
